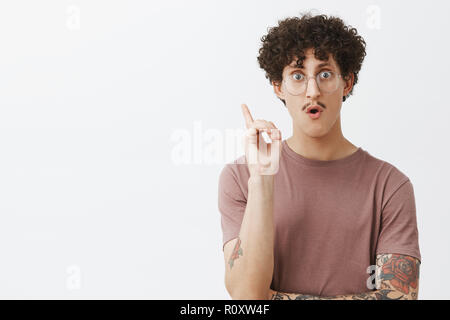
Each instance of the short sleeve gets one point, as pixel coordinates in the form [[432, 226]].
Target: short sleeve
[[398, 229], [231, 203]]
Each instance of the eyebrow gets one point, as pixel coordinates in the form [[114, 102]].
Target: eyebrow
[[317, 67]]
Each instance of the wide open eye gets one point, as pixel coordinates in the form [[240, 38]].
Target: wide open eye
[[326, 75], [298, 76]]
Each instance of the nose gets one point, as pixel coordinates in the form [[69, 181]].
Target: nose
[[312, 90]]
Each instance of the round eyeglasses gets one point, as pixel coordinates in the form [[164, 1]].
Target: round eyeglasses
[[297, 83]]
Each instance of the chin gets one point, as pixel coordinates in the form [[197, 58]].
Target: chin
[[315, 132]]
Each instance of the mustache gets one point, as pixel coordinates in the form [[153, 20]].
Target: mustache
[[310, 103]]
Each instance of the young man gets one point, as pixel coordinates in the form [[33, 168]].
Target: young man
[[314, 214]]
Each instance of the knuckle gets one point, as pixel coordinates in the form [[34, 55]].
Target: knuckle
[[261, 124], [250, 131]]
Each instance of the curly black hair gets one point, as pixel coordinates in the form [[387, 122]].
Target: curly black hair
[[293, 36]]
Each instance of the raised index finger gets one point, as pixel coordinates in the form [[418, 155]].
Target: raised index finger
[[247, 116]]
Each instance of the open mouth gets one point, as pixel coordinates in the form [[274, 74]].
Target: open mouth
[[314, 112], [314, 109]]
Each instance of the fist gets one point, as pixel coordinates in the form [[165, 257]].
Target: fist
[[262, 156]]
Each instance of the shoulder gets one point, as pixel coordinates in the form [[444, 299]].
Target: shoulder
[[389, 177], [236, 168], [234, 175], [385, 169]]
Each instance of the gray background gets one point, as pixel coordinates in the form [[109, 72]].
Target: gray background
[[115, 116]]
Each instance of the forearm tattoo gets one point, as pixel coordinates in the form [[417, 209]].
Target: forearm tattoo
[[398, 277], [237, 251], [399, 272]]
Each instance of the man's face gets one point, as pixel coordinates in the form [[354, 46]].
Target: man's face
[[330, 102]]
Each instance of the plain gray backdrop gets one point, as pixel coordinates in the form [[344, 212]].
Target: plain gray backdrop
[[116, 118]]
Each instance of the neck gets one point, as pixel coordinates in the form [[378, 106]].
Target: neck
[[331, 146]]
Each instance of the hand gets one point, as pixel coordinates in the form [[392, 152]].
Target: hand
[[262, 158]]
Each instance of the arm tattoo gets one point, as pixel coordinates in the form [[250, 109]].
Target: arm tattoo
[[237, 251], [399, 272], [399, 280], [384, 294]]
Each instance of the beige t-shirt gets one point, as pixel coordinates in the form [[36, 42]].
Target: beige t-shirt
[[331, 218]]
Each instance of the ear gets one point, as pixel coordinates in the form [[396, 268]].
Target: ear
[[277, 88], [349, 83]]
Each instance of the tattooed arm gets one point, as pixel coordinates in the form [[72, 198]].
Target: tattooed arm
[[249, 260], [398, 276]]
